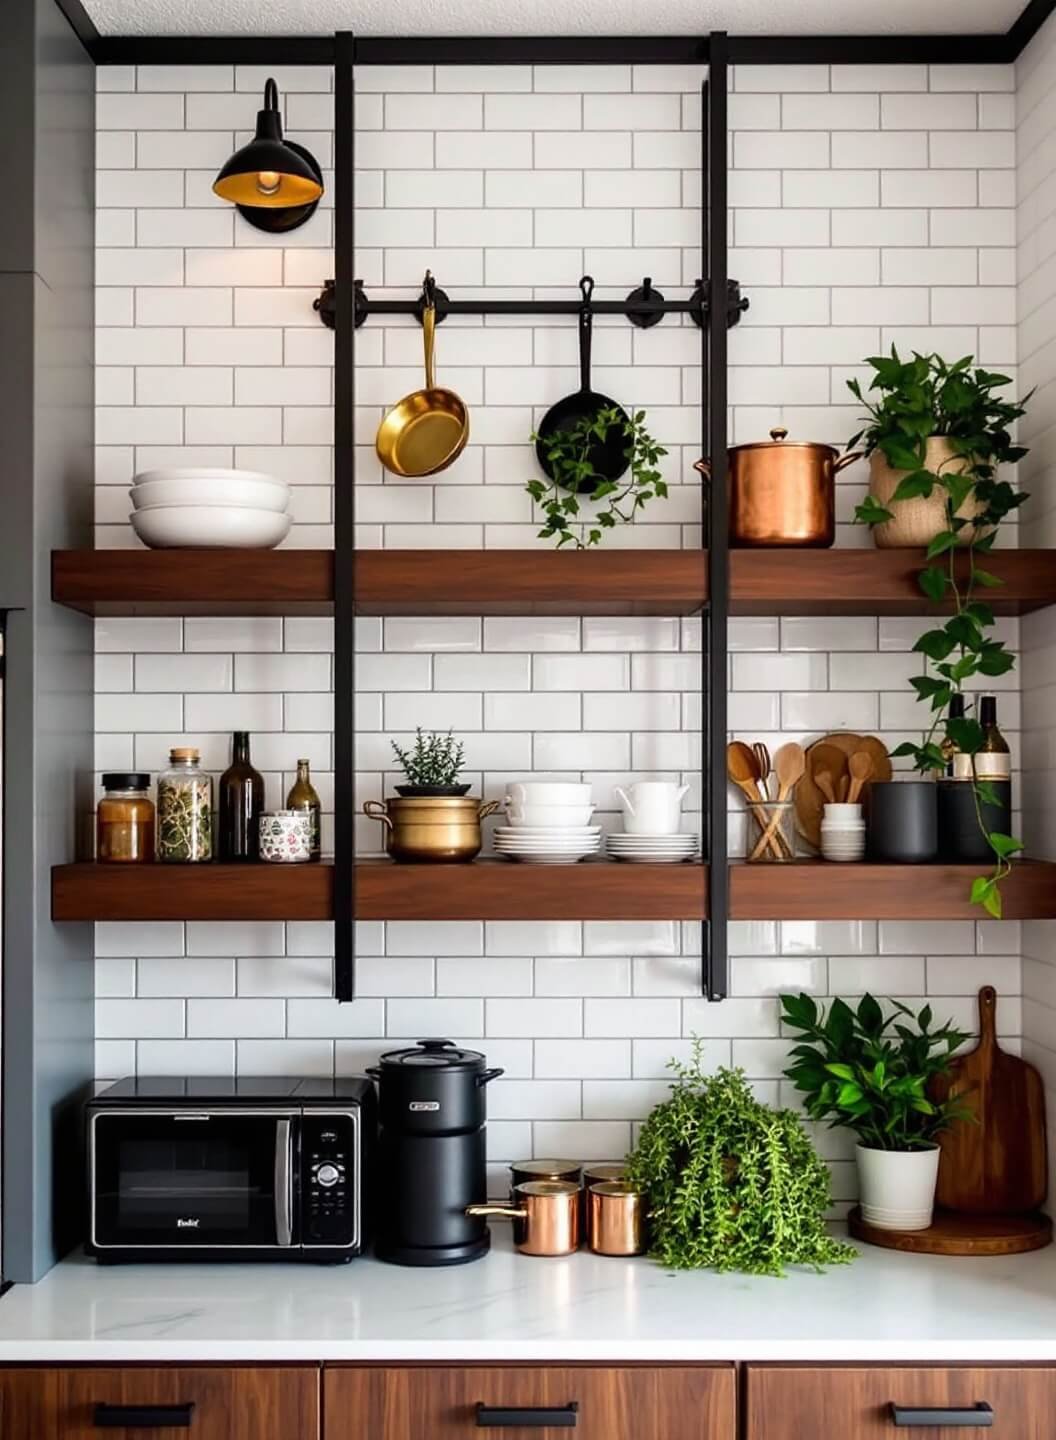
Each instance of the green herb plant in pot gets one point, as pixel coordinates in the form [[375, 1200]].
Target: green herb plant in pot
[[729, 1182], [432, 765], [871, 1073], [936, 434]]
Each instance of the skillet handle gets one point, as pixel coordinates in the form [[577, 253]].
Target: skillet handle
[[586, 331], [429, 335]]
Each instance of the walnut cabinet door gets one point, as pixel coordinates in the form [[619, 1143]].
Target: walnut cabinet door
[[531, 1402]]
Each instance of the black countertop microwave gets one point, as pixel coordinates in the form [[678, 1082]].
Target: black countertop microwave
[[203, 1168]]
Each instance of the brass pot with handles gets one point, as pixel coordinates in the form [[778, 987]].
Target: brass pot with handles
[[441, 829], [782, 492]]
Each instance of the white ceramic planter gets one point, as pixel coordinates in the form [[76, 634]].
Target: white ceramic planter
[[897, 1186]]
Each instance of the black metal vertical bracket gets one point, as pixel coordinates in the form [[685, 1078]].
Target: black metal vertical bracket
[[344, 520], [715, 940]]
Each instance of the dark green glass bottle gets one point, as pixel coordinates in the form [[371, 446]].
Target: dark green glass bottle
[[241, 803]]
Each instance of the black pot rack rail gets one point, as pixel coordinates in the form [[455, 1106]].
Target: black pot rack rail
[[644, 307]]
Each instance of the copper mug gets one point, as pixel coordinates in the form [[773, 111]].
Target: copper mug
[[545, 1215], [782, 492], [615, 1218]]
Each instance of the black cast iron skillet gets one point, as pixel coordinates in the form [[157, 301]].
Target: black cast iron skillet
[[609, 457]]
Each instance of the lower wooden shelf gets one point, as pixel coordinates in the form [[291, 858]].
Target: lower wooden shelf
[[499, 890]]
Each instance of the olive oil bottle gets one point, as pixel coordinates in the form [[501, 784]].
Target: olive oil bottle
[[303, 796], [992, 761]]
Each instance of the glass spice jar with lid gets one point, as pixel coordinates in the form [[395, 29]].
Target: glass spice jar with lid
[[185, 809], [124, 820]]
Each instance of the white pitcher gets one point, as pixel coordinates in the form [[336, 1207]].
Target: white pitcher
[[653, 807]]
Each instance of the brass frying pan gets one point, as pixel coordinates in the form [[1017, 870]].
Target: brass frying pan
[[427, 431]]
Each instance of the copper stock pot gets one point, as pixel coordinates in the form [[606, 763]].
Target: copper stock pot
[[782, 492]]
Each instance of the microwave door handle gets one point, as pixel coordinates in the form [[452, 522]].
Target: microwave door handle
[[284, 1183]]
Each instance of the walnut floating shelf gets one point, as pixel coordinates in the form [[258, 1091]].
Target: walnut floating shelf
[[500, 890], [522, 582]]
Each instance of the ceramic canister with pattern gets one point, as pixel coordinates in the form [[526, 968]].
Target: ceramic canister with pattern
[[285, 836]]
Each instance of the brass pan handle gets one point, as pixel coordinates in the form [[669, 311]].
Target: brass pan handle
[[378, 812], [488, 808]]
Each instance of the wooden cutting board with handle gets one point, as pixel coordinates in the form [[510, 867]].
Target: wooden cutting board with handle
[[999, 1165]]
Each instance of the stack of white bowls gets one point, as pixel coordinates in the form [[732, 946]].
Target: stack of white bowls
[[548, 823], [206, 507], [842, 832]]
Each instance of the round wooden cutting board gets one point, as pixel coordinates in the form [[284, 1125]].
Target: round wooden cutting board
[[808, 799]]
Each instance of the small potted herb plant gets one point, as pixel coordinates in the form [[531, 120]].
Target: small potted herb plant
[[729, 1182], [432, 765], [853, 1071]]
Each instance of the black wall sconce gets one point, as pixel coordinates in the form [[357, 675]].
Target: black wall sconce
[[273, 183]]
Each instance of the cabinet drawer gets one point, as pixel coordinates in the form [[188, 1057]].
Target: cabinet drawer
[[788, 1402], [92, 1402], [630, 1402]]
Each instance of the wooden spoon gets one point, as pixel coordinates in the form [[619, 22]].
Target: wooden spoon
[[790, 762], [861, 768], [743, 769], [823, 780]]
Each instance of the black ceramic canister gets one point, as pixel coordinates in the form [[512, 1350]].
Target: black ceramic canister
[[902, 824], [960, 836]]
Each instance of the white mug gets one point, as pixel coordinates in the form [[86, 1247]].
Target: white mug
[[652, 807]]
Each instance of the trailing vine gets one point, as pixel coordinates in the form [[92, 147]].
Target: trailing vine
[[918, 399], [729, 1182], [569, 455]]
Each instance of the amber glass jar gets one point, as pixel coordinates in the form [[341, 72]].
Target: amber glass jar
[[125, 820]]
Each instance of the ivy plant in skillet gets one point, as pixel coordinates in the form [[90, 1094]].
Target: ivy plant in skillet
[[571, 456], [729, 1182], [936, 434]]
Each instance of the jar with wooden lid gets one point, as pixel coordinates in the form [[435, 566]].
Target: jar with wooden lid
[[124, 820], [185, 809]]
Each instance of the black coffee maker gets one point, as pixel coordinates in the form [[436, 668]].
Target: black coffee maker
[[432, 1160]]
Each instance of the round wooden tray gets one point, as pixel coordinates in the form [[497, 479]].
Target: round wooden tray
[[952, 1233]]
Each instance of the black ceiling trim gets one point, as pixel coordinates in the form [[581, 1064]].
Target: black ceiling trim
[[82, 24], [557, 50], [1028, 25]]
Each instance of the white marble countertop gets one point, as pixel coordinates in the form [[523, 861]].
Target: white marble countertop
[[885, 1306]]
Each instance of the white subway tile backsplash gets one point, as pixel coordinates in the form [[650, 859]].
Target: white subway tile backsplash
[[848, 236]]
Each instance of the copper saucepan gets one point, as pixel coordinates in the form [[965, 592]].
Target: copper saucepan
[[545, 1215], [782, 492]]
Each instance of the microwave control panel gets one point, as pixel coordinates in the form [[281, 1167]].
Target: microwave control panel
[[328, 1154]]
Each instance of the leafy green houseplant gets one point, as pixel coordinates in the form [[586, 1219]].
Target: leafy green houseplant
[[871, 1073], [432, 765], [946, 429], [612, 502], [729, 1182]]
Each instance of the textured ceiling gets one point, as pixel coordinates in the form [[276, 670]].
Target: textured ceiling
[[551, 17]]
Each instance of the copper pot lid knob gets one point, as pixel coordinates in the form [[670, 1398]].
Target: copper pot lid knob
[[778, 433]]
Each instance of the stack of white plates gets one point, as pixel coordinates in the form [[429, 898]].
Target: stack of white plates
[[652, 849], [206, 507], [554, 845]]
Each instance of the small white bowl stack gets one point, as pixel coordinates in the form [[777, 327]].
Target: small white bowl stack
[[209, 508], [548, 823]]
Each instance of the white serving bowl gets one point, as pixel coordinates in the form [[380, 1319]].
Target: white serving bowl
[[561, 817], [547, 792], [241, 493], [209, 527], [203, 472]]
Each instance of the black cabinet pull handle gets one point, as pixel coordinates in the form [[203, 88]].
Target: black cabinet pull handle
[[537, 1417], [145, 1417], [979, 1416]]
